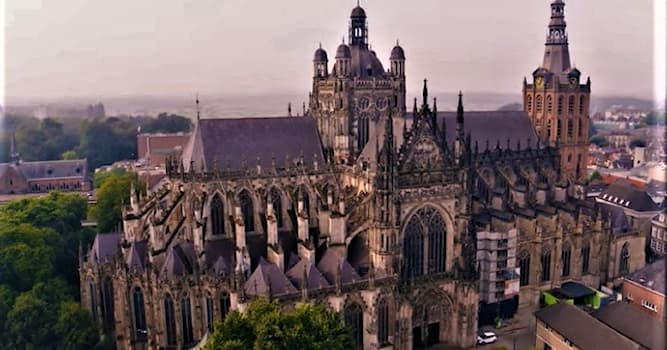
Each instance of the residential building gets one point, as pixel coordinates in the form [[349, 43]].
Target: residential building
[[153, 149], [565, 327], [647, 331], [645, 289]]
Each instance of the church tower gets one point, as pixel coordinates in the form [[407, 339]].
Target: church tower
[[557, 101], [351, 101]]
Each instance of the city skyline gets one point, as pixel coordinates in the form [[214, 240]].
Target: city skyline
[[222, 47]]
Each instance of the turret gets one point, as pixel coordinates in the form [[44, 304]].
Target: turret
[[397, 60], [320, 63], [358, 28], [343, 60]]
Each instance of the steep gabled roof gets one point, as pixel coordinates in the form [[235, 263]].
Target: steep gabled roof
[[268, 279], [332, 264], [314, 278], [105, 247]]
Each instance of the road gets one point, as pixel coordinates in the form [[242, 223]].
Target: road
[[525, 339]]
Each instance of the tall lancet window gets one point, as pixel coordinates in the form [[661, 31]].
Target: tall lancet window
[[277, 202], [217, 216], [354, 319], [565, 260], [140, 330], [186, 320], [248, 210], [170, 320], [427, 224]]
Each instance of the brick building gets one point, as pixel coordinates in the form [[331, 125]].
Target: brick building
[[645, 289]]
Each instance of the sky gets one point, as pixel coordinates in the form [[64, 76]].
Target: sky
[[81, 48]]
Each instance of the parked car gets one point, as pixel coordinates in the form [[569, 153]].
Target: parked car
[[486, 338]]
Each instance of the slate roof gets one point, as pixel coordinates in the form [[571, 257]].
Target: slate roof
[[180, 260], [218, 256], [331, 263], [583, 330], [314, 278], [53, 169], [633, 323], [651, 276], [266, 278], [230, 141], [495, 126], [623, 194], [105, 247], [136, 258], [49, 169]]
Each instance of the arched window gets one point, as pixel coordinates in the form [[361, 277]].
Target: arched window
[[625, 258], [224, 304], [383, 323], [529, 103], [550, 104], [546, 265], [565, 260], [140, 330], [362, 138], [277, 202], [93, 299], [186, 320], [570, 128], [217, 215], [580, 128], [426, 223], [549, 127], [107, 302], [524, 268], [170, 320], [209, 312], [248, 211], [570, 104], [354, 319], [582, 104], [585, 258], [560, 105], [559, 129], [302, 194], [538, 103]]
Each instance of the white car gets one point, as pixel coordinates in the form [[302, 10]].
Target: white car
[[486, 338]]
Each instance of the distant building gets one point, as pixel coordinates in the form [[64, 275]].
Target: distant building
[[659, 233], [153, 149], [18, 177], [645, 289], [565, 327], [636, 203]]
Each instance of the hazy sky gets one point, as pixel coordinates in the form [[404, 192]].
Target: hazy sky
[[68, 48]]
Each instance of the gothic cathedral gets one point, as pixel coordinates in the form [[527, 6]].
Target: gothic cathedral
[[360, 205]]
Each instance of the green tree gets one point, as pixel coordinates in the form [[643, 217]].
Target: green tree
[[75, 327], [69, 155], [596, 176], [170, 123], [266, 326], [113, 192]]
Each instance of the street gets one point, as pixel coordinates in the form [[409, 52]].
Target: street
[[525, 339]]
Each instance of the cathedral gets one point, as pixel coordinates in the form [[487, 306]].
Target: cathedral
[[361, 205]]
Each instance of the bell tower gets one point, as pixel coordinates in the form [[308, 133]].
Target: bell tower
[[558, 102]]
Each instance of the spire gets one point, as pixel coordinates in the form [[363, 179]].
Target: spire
[[556, 53], [425, 92], [289, 109], [197, 104], [459, 109], [13, 154]]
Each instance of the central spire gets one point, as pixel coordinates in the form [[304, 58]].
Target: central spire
[[556, 53]]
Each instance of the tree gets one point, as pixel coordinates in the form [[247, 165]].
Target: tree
[[266, 326], [69, 155], [170, 123], [599, 140], [595, 176], [655, 118], [75, 327], [112, 194]]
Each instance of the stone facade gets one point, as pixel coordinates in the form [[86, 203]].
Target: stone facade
[[374, 215]]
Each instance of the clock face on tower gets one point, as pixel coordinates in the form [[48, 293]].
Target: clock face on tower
[[539, 82], [574, 82]]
